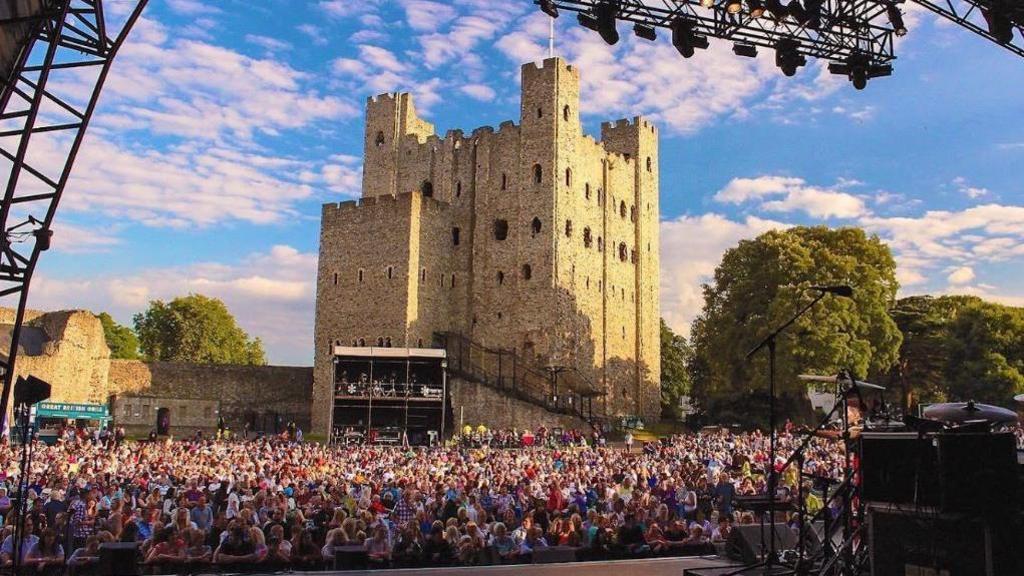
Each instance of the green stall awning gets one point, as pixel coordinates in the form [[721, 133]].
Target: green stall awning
[[69, 410]]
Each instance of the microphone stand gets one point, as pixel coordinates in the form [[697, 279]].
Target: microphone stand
[[769, 341]]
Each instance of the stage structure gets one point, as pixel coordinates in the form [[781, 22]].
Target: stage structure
[[56, 55], [390, 395], [855, 36]]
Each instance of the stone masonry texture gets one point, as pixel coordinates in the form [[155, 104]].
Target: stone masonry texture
[[532, 236]]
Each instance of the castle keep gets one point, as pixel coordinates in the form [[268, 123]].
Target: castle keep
[[533, 237]]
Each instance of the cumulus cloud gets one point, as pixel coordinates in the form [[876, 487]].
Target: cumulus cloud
[[691, 248], [481, 92], [788, 194], [961, 275], [271, 294]]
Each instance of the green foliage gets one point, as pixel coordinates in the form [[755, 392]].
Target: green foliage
[[198, 329], [120, 339], [959, 348], [760, 284], [675, 379]]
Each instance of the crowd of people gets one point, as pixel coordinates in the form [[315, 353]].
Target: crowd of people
[[270, 503]]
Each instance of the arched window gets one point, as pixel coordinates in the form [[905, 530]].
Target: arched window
[[568, 228], [527, 272], [535, 227], [455, 236], [587, 240], [568, 177], [538, 174], [362, 342], [622, 251], [380, 139], [458, 189], [500, 229], [380, 342], [565, 112], [390, 272], [586, 190], [504, 181], [427, 188], [622, 208], [648, 163], [387, 342], [501, 277]]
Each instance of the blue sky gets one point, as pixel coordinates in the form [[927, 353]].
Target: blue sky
[[225, 125]]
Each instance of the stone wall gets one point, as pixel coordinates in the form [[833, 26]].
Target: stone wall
[[557, 247], [198, 394], [478, 404]]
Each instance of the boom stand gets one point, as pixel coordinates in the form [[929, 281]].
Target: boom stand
[[769, 562]]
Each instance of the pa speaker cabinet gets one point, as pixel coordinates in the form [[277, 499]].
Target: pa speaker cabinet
[[979, 473], [899, 467], [745, 541], [119, 559]]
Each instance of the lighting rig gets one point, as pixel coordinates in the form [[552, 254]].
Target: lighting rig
[[856, 37]]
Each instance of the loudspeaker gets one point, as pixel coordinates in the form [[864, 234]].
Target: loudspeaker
[[554, 554], [744, 543], [899, 467], [351, 558], [30, 390], [119, 559], [978, 473]]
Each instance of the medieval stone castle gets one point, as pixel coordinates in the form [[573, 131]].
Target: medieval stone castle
[[533, 237]]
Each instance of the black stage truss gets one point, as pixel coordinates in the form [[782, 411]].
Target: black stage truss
[[856, 37], [57, 73]]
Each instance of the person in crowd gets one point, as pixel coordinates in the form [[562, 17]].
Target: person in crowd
[[9, 550], [46, 556]]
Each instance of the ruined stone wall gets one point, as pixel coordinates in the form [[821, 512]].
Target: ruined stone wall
[[557, 240], [198, 394], [477, 404]]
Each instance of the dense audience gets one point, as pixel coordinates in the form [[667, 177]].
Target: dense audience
[[272, 503]]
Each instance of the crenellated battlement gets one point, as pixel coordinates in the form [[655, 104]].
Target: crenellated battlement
[[385, 98]]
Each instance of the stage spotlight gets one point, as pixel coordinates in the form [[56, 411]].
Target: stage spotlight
[[748, 50], [896, 19], [548, 7], [685, 39], [999, 25], [812, 14], [602, 21], [43, 238], [859, 69], [733, 6], [776, 9], [797, 12], [756, 8], [645, 32], [788, 57], [707, 3]]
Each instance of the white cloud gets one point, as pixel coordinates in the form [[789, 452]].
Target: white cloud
[[314, 33], [426, 16], [788, 194], [972, 192], [191, 7], [73, 239], [961, 275], [267, 43], [691, 248], [271, 294], [481, 92], [378, 70]]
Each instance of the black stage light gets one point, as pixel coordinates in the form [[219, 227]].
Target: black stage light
[[796, 10], [776, 9], [999, 25], [43, 238], [605, 13], [788, 57], [748, 50], [756, 8], [812, 14], [685, 39], [896, 19], [548, 7], [859, 69], [733, 6], [644, 31]]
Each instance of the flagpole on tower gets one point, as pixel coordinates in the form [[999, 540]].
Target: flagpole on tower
[[551, 37]]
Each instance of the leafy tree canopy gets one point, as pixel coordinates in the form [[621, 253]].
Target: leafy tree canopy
[[675, 379], [195, 328], [760, 284], [121, 340]]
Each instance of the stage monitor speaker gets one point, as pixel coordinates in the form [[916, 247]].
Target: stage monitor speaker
[[978, 473], [745, 542], [30, 391], [554, 555], [351, 558], [899, 467], [923, 542], [119, 559]]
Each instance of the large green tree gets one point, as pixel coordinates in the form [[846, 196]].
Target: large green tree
[[195, 328], [120, 339], [760, 284], [675, 379]]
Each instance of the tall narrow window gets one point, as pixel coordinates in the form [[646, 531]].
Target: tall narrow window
[[565, 112], [648, 163], [622, 208], [380, 139], [600, 244], [535, 226], [501, 277], [622, 251], [540, 112], [453, 281], [568, 228], [455, 236], [427, 188], [500, 229], [587, 239], [538, 174], [391, 272], [504, 181], [335, 278], [458, 189], [568, 177], [423, 275], [586, 190], [527, 272]]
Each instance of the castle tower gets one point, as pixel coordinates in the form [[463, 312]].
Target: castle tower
[[532, 237]]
